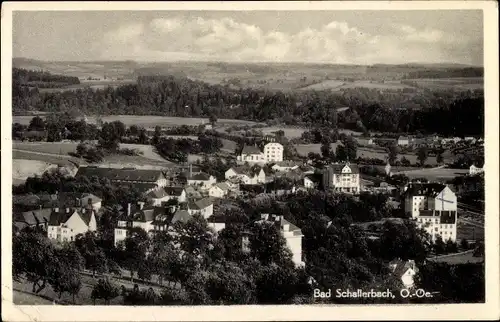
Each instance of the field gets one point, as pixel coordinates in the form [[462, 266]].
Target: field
[[147, 121], [22, 169], [290, 132], [337, 85], [305, 149], [434, 174], [459, 258], [268, 76], [463, 83], [56, 152], [469, 232]]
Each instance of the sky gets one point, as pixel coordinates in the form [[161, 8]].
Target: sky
[[335, 37]]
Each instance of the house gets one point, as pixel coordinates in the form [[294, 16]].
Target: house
[[404, 140], [364, 140], [312, 181], [192, 193], [216, 223], [219, 190], [292, 234], [439, 223], [157, 196], [136, 216], [342, 178], [285, 166], [473, 170], [66, 223], [39, 218], [387, 170], [204, 207], [203, 180], [273, 152], [428, 196], [124, 175], [404, 270], [25, 202], [251, 154], [245, 175], [75, 199]]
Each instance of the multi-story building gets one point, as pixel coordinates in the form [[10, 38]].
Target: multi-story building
[[272, 152], [136, 216], [439, 223], [65, 223], [342, 178], [292, 234], [203, 207], [434, 208], [428, 196]]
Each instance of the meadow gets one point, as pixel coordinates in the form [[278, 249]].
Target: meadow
[[435, 174], [148, 121], [337, 85]]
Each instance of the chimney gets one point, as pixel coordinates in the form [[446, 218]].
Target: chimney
[[67, 210], [190, 170], [129, 206], [56, 209], [141, 204]]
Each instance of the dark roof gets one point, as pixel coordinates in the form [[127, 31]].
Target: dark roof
[[86, 215], [34, 217], [142, 215], [249, 171], [288, 163], [202, 176], [124, 174], [445, 216], [157, 193], [77, 199], [424, 189], [200, 204], [313, 177], [337, 168], [223, 186], [46, 200], [250, 149], [174, 191], [162, 215], [181, 215], [401, 267], [60, 217]]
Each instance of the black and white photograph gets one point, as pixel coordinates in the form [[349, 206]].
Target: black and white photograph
[[236, 156]]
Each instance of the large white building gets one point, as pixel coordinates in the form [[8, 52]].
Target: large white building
[[272, 152], [65, 223], [428, 196], [342, 178], [434, 208], [292, 234]]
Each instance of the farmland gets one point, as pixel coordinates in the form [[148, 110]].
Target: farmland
[[337, 85], [459, 258], [147, 121], [435, 173]]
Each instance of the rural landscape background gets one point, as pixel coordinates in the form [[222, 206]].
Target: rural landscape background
[[419, 121]]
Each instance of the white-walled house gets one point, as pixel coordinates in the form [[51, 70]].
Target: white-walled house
[[66, 223], [428, 196], [292, 234], [439, 223], [342, 178], [273, 152], [164, 194], [311, 181], [251, 154], [135, 216], [203, 180], [405, 271], [473, 170], [404, 141], [219, 190], [204, 207], [245, 175]]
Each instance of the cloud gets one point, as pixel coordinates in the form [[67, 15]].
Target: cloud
[[225, 39]]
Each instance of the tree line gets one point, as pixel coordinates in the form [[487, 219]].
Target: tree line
[[439, 111]]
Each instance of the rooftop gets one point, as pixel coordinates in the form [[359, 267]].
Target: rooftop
[[124, 174], [250, 149]]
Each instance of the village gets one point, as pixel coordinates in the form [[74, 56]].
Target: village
[[259, 174]]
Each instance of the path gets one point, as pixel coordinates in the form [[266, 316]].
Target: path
[[45, 153], [419, 169]]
